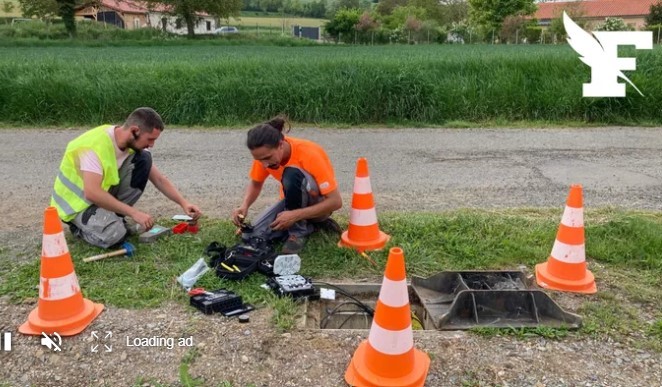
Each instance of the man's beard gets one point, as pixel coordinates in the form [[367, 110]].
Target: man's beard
[[132, 145]]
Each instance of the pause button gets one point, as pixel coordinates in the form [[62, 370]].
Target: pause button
[[6, 341]]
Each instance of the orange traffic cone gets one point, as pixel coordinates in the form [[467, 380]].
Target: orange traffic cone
[[363, 233], [61, 306], [388, 357], [566, 267]]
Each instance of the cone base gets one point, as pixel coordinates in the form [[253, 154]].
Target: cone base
[[358, 374], [361, 246], [65, 327], [545, 280]]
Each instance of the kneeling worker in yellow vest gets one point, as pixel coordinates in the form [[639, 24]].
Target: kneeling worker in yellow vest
[[104, 172]]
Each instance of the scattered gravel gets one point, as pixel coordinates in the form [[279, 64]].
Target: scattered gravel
[[225, 350]]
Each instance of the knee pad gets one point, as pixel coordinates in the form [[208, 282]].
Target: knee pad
[[101, 228], [112, 235]]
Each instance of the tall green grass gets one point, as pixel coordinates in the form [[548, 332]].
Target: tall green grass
[[229, 85]]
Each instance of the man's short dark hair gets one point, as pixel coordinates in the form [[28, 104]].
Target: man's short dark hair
[[146, 118]]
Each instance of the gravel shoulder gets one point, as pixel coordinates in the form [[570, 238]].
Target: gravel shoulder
[[257, 354]]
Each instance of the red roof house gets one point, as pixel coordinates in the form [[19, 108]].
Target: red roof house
[[633, 12]]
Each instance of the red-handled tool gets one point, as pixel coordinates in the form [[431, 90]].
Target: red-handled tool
[[184, 227]]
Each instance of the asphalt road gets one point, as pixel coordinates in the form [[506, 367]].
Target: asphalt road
[[410, 169]]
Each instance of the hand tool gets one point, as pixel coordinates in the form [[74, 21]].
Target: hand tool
[[127, 249], [153, 234]]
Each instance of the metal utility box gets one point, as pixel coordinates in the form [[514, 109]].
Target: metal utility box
[[500, 299], [306, 32]]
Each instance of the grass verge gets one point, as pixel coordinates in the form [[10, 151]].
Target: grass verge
[[623, 249]]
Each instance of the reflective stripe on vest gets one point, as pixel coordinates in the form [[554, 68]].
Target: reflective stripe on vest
[[60, 202]]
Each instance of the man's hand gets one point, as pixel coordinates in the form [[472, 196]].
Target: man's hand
[[191, 210], [238, 214], [143, 219], [284, 220]]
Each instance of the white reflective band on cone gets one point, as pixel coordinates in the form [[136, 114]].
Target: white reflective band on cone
[[394, 293], [59, 288], [391, 342], [363, 217], [568, 253], [54, 245], [362, 185], [573, 217]]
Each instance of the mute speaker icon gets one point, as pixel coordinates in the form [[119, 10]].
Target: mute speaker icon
[[49, 341]]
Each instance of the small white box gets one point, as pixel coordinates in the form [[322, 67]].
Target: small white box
[[327, 294]]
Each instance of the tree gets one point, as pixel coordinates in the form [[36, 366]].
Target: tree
[[655, 15], [400, 15], [250, 5], [433, 9], [453, 11], [613, 24], [292, 7], [316, 9], [366, 23], [343, 23], [412, 25], [335, 6], [576, 13], [366, 26], [47, 9], [491, 13], [512, 29], [7, 7], [270, 5], [385, 7], [459, 32], [67, 11], [41, 9], [187, 10]]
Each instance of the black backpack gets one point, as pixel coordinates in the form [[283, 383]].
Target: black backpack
[[242, 259]]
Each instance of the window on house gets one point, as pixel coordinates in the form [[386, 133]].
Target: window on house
[[136, 23], [178, 23], [208, 26]]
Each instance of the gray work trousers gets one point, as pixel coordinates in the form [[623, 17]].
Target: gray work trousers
[[103, 228], [301, 191]]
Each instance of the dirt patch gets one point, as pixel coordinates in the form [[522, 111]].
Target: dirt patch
[[223, 350]]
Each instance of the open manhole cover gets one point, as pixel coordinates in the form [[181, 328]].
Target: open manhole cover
[[449, 300], [353, 308], [499, 299]]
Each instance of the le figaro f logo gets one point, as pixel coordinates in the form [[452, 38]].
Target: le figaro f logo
[[601, 54]]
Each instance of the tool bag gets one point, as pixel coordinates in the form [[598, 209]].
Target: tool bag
[[242, 259], [236, 266]]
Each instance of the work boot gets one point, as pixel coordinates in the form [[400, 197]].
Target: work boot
[[75, 231], [329, 226], [293, 244]]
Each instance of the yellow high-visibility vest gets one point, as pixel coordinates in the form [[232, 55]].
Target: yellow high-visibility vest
[[68, 196]]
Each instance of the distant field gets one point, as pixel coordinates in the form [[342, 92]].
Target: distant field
[[253, 22], [399, 84]]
